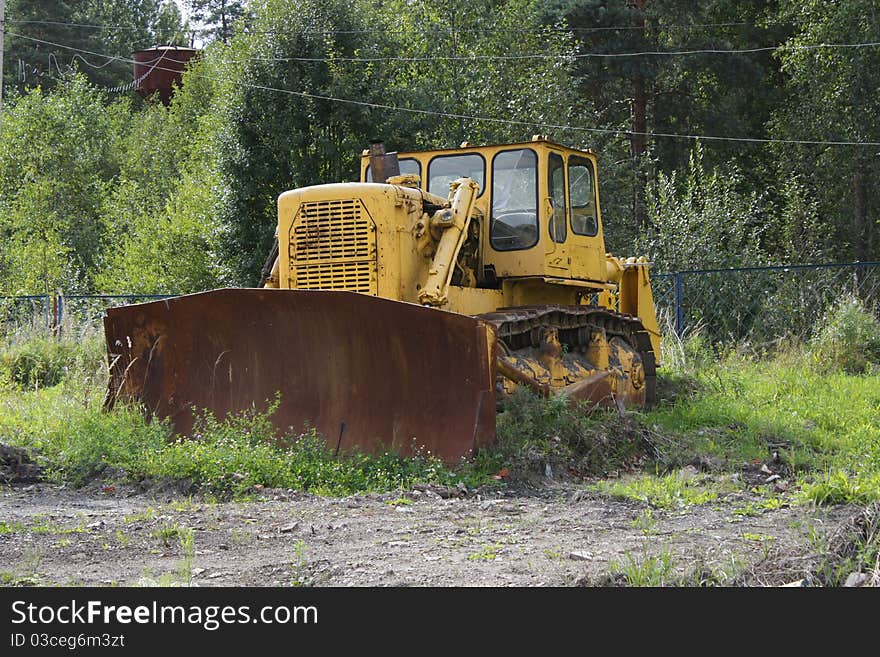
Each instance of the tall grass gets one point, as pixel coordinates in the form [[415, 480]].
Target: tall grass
[[61, 415], [817, 405], [821, 419], [848, 338], [33, 357]]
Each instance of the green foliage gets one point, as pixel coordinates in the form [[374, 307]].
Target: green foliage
[[218, 18], [831, 96], [486, 553], [37, 360], [650, 571], [299, 566], [819, 421], [840, 487], [94, 440], [848, 338], [686, 355], [699, 94], [110, 194], [11, 527], [162, 213], [703, 220], [57, 161], [241, 451], [46, 39]]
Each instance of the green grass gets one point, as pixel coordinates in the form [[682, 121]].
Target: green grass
[[840, 487], [28, 360], [232, 455], [77, 441], [823, 421], [647, 571], [752, 509], [486, 553], [663, 492], [400, 501], [825, 424]]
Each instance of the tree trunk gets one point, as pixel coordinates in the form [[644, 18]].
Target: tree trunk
[[224, 22], [639, 137], [863, 230]]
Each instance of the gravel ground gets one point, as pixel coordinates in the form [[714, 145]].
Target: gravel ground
[[555, 535]]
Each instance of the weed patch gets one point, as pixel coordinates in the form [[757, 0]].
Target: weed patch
[[840, 487], [32, 359], [848, 339], [486, 553], [230, 456], [662, 492], [823, 426], [535, 434]]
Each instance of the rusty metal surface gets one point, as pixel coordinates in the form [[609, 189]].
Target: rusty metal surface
[[158, 69], [394, 373], [383, 165], [516, 328]]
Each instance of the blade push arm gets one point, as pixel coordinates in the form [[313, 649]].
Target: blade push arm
[[453, 222]]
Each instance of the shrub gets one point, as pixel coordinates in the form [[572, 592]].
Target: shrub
[[93, 440], [41, 360], [848, 338]]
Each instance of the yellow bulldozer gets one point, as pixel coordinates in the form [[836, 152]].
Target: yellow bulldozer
[[400, 311]]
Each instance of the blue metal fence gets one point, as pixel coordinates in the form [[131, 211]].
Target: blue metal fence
[[760, 304], [35, 309], [91, 307]]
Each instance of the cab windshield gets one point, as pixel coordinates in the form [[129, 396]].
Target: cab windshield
[[514, 222]]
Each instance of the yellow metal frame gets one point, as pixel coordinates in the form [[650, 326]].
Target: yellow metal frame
[[376, 238]]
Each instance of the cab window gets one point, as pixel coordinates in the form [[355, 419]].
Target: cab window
[[582, 196], [556, 180], [514, 223], [444, 169]]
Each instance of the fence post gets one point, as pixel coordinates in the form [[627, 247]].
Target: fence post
[[53, 325], [678, 294], [59, 315]]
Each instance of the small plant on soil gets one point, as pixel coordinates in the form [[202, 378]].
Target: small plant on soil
[[486, 553], [299, 565]]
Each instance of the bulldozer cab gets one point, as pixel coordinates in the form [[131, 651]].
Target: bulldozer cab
[[537, 206]]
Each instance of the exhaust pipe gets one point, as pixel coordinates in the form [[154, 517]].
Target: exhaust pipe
[[382, 165]]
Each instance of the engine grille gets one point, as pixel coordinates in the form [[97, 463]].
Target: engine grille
[[333, 247]]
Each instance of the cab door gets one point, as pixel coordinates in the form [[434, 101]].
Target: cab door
[[587, 244], [557, 255]]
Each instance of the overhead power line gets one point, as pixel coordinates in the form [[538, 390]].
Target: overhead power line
[[597, 55], [433, 30], [538, 56], [63, 24], [486, 119]]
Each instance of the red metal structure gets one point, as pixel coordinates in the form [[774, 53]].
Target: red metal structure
[[158, 69]]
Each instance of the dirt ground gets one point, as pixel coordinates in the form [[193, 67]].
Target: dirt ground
[[555, 535]]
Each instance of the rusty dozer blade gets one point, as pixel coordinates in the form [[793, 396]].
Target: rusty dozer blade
[[363, 371]]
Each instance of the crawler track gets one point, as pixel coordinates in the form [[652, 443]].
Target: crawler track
[[520, 328]]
